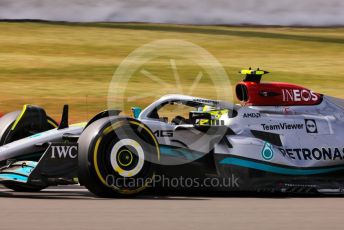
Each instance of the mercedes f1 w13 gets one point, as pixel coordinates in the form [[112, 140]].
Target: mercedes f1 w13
[[282, 138]]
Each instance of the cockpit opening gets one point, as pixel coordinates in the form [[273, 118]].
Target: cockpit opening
[[190, 112]]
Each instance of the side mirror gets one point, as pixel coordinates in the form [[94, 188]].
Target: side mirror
[[136, 111]]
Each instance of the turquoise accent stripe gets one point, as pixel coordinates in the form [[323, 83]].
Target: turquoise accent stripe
[[31, 164], [23, 170], [180, 152], [277, 169], [13, 177], [18, 173]]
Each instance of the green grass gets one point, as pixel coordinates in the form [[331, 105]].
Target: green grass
[[50, 64]]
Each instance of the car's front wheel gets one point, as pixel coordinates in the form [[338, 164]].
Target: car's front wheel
[[117, 157]]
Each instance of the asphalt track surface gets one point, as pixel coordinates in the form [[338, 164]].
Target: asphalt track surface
[[76, 208]]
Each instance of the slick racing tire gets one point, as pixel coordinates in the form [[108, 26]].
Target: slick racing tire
[[118, 157], [6, 123]]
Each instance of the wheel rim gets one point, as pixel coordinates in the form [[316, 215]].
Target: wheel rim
[[106, 159], [127, 157]]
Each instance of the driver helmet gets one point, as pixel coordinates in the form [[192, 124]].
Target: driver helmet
[[216, 115]]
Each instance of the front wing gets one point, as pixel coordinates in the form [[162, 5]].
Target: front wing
[[58, 165]]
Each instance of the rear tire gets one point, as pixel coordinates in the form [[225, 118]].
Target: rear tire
[[117, 157]]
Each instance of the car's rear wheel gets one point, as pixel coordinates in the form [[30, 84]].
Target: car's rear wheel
[[117, 157]]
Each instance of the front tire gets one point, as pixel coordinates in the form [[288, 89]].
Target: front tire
[[117, 157], [6, 124]]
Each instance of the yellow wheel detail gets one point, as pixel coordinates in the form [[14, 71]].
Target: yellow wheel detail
[[119, 168], [129, 157]]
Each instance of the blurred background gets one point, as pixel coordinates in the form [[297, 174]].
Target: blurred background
[[262, 12], [71, 56]]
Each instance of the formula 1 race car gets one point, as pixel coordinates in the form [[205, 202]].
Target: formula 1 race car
[[282, 138]]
